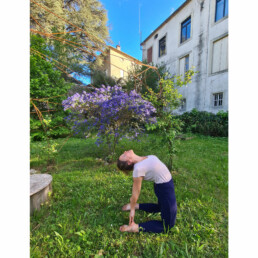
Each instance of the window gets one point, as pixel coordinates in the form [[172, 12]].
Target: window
[[149, 55], [218, 98], [221, 9], [220, 55], [183, 105], [184, 65], [185, 29], [162, 46], [122, 73]]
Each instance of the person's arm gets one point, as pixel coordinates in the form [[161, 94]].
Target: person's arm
[[137, 184]]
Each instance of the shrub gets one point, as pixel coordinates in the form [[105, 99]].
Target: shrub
[[100, 78], [166, 99], [77, 88], [141, 78], [111, 112], [205, 123]]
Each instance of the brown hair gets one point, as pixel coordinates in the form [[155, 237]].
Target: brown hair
[[124, 166]]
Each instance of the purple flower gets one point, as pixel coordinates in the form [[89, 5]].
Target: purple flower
[[111, 111]]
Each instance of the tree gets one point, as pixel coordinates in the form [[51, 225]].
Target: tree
[[100, 78], [142, 77], [46, 82], [72, 15]]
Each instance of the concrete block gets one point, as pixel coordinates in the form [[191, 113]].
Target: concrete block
[[40, 186]]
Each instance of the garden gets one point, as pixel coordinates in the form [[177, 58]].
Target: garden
[[83, 214], [78, 131]]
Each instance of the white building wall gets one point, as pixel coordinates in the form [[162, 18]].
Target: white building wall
[[199, 47]]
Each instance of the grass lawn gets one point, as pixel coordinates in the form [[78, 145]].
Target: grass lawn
[[83, 215]]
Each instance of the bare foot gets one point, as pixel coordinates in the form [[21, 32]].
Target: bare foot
[[127, 207], [132, 228]]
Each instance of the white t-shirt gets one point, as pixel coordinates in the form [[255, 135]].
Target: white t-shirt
[[152, 169]]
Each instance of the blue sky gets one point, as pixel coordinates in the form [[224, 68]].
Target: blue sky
[[123, 20]]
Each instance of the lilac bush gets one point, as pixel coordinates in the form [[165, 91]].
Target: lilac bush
[[111, 112]]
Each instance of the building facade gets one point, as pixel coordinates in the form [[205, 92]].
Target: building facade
[[117, 63], [195, 35]]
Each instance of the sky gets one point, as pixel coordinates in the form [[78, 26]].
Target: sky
[[123, 21]]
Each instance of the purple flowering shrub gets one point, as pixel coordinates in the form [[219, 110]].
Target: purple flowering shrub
[[110, 111]]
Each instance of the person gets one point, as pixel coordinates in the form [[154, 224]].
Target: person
[[149, 168]]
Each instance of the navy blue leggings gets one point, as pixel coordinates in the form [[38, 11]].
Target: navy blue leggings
[[166, 205]]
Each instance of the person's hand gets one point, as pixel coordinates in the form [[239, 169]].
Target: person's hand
[[131, 216]]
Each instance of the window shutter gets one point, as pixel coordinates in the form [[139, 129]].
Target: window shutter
[[186, 63], [149, 55], [224, 54], [220, 55], [182, 66], [216, 56]]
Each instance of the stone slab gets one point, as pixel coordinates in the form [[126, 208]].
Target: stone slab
[[40, 186], [39, 182]]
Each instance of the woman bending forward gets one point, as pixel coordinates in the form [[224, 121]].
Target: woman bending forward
[[149, 168]]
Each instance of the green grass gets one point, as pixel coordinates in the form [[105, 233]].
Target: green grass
[[83, 215]]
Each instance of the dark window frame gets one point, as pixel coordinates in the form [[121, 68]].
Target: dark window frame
[[224, 9], [184, 24], [161, 41]]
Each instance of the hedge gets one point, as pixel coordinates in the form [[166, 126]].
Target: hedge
[[205, 123]]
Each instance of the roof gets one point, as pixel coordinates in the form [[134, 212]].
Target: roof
[[133, 59], [168, 19], [123, 53]]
